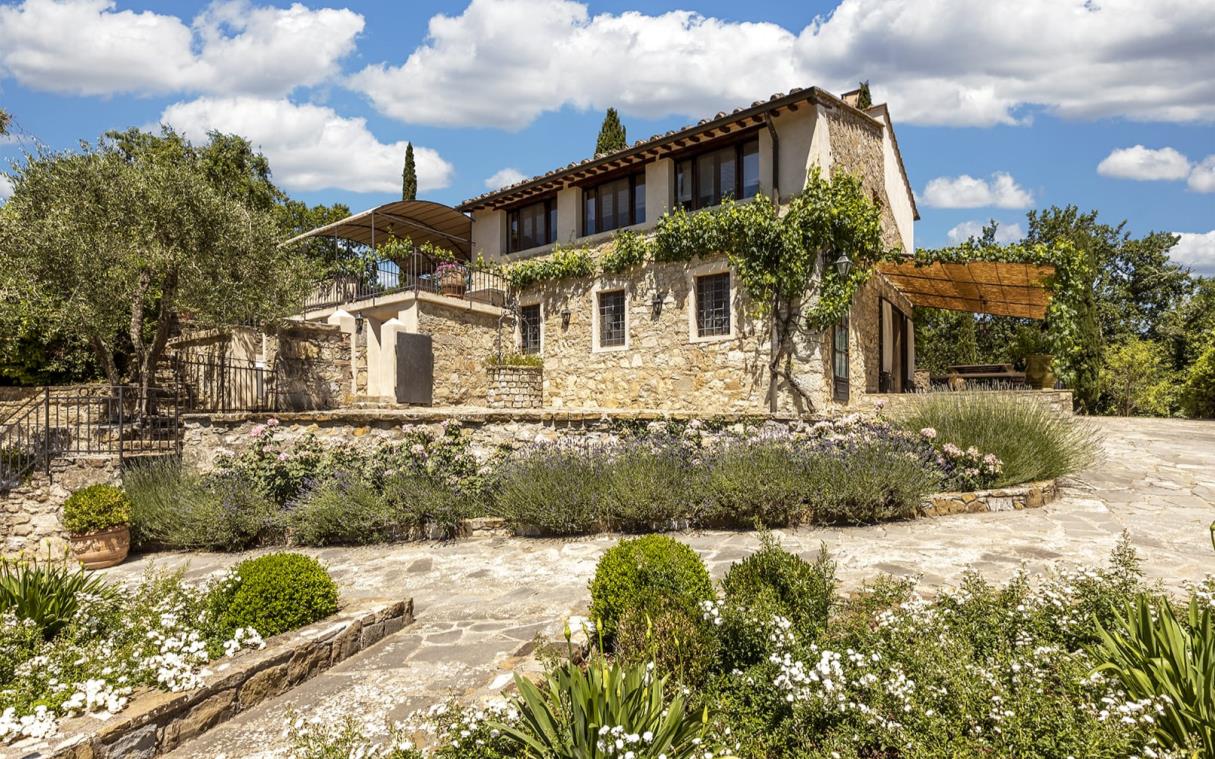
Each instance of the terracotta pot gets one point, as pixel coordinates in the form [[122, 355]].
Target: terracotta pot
[[101, 549], [452, 283], [1038, 371]]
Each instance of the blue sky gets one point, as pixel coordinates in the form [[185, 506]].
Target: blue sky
[[999, 106]]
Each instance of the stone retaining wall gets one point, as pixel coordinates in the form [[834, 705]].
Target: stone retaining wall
[[157, 722], [31, 510], [1031, 495], [513, 387]]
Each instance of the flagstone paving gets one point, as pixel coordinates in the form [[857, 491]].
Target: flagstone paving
[[480, 601]]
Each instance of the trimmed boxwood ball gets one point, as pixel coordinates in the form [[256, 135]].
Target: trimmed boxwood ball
[[647, 573], [96, 508], [280, 592]]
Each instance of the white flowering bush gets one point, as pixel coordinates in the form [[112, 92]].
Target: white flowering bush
[[980, 670], [159, 632]]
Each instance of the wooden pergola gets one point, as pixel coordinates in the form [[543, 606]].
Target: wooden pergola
[[984, 287]]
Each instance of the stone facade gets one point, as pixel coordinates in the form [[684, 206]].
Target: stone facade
[[157, 722], [515, 387], [462, 339], [31, 510]]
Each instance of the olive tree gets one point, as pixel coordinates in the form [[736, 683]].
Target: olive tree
[[120, 239]]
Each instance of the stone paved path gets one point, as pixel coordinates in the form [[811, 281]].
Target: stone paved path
[[478, 601]]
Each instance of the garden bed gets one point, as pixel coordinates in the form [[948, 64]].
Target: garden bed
[[156, 722]]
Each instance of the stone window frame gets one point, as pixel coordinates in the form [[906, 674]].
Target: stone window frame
[[609, 286], [709, 268], [534, 301]]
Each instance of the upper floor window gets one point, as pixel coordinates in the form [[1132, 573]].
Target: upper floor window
[[531, 226], [529, 329], [709, 178], [614, 204]]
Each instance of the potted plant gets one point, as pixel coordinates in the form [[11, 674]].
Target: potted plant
[[451, 278], [98, 519], [1032, 346]]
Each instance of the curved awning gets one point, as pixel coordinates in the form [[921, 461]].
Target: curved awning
[[421, 221], [1001, 288]]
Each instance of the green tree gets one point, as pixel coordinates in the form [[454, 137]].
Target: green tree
[[5, 120], [330, 255], [611, 135], [409, 176], [1132, 285], [1136, 379], [864, 99], [118, 240]]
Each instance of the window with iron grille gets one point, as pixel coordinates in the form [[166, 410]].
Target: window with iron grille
[[529, 329], [713, 305], [611, 319]]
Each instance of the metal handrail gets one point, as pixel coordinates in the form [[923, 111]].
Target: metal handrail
[[417, 272]]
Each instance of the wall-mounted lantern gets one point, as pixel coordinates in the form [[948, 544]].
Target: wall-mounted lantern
[[565, 317], [843, 265], [656, 304]]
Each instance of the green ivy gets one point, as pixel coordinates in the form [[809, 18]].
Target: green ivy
[[563, 263], [628, 249]]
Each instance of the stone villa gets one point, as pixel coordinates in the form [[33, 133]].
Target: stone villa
[[657, 336]]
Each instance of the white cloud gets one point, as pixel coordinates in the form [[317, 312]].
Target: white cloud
[[1005, 233], [504, 177], [310, 147], [1196, 250], [89, 47], [6, 187], [1144, 164], [938, 62], [965, 191], [1202, 178]]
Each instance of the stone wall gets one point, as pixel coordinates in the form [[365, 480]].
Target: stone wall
[[462, 340], [156, 722], [857, 148], [311, 365], [516, 387], [31, 510], [1057, 401]]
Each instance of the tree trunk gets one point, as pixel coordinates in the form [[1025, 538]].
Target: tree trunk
[[105, 358]]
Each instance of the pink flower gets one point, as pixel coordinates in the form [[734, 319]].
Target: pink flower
[[272, 422], [258, 430], [928, 433], [283, 456]]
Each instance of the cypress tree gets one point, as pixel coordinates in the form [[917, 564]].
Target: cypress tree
[[863, 98], [409, 177], [611, 134]]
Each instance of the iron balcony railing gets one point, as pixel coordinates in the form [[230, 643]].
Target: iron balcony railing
[[224, 385], [418, 272], [88, 420]]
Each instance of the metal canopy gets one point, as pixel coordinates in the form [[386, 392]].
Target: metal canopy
[[420, 221], [981, 287]]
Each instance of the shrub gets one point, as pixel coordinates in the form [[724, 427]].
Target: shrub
[[764, 482], [176, 507], [418, 501], [643, 575], [279, 592], [1198, 395], [767, 595], [648, 485], [1135, 379], [579, 713], [868, 482], [46, 594], [1033, 442], [96, 508], [342, 510], [679, 643], [514, 359], [555, 488]]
